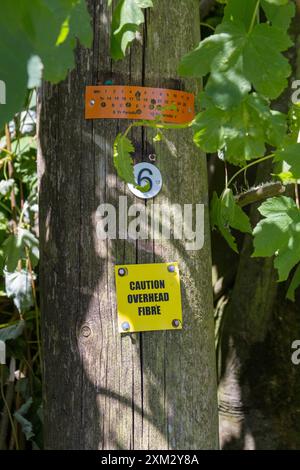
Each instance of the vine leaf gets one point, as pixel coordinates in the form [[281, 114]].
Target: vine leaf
[[236, 10], [279, 17], [127, 18], [291, 155], [279, 234], [12, 331], [244, 58], [41, 29], [3, 227], [123, 148], [277, 2], [18, 287], [242, 130], [294, 122], [123, 163], [225, 213], [228, 89], [15, 245]]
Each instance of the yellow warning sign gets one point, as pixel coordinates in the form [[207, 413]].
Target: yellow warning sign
[[148, 297]]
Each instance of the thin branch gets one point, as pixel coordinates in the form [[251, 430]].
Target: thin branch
[[10, 174], [37, 311], [297, 195], [7, 400], [260, 193], [256, 162]]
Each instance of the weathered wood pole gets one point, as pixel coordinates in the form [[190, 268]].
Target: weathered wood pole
[[152, 390]]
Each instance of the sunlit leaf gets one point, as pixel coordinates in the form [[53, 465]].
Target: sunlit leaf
[[226, 214], [278, 233]]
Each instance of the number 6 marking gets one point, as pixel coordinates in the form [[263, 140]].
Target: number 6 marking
[[146, 174], [141, 178]]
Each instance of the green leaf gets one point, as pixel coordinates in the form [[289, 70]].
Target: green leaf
[[15, 50], [280, 17], [242, 131], [157, 137], [209, 129], [277, 2], [15, 246], [29, 241], [25, 164], [286, 177], [294, 122], [12, 252], [18, 287], [264, 66], [12, 332], [225, 213], [227, 89], [295, 283], [3, 221], [279, 234], [291, 155], [199, 62], [34, 29], [238, 11], [23, 145], [49, 18], [244, 59], [127, 17], [122, 158]]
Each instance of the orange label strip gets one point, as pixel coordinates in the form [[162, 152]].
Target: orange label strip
[[135, 102]]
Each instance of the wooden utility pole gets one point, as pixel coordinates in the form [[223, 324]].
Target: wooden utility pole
[[154, 390]]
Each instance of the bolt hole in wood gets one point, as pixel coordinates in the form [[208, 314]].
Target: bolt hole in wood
[[85, 331]]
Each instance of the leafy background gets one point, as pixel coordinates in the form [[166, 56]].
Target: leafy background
[[243, 64], [37, 38]]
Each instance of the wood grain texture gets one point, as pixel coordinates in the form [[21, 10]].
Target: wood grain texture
[[102, 391]]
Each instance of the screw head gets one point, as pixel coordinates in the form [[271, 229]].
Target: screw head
[[125, 326], [176, 323], [152, 157], [85, 331], [171, 268], [92, 102], [122, 272]]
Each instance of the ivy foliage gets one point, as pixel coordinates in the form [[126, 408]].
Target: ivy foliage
[[37, 36]]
